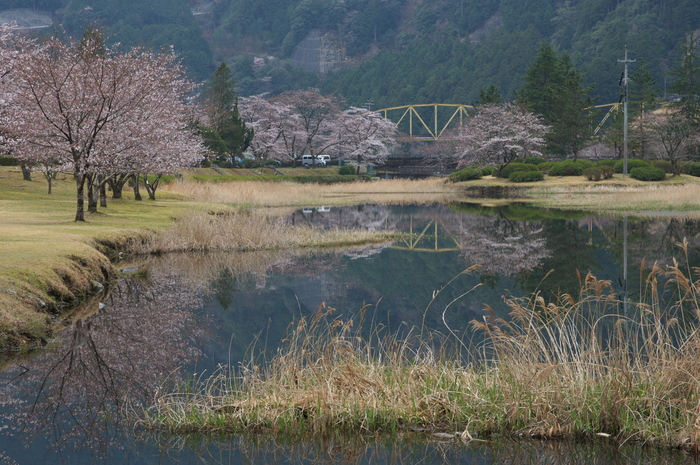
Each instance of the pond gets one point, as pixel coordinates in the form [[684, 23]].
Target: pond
[[180, 317]]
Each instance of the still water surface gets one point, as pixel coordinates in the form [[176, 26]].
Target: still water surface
[[186, 315]]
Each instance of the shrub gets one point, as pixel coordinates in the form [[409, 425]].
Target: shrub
[[631, 163], [347, 170], [610, 163], [544, 167], [526, 176], [532, 160], [596, 173], [8, 161], [566, 168], [647, 173], [665, 165], [271, 163], [465, 174], [488, 171], [693, 169], [584, 163], [512, 167], [593, 174]]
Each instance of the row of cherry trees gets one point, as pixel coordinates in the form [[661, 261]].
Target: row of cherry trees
[[101, 113], [307, 123]]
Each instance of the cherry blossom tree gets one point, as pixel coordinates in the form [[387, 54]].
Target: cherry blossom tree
[[306, 122], [313, 127], [498, 134], [100, 110], [269, 121], [366, 137]]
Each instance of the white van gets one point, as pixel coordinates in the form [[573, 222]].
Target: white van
[[308, 161]]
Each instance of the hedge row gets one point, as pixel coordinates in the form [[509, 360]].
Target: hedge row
[[526, 176], [465, 174], [647, 173]]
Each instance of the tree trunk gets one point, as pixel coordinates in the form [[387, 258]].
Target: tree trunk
[[137, 193], [26, 172], [152, 187], [80, 189], [92, 194], [117, 184], [103, 195], [49, 175]]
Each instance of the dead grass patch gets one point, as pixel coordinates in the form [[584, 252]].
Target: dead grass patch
[[573, 367], [247, 230], [649, 198], [283, 194]]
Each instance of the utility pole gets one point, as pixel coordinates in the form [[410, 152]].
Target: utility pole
[[624, 84]]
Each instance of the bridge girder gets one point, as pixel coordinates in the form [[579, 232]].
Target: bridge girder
[[458, 112], [436, 130]]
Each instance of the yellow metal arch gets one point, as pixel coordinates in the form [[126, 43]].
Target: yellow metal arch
[[613, 108], [435, 130], [461, 111]]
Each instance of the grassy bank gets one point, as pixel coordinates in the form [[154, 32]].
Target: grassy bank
[[49, 263], [573, 368], [614, 195]]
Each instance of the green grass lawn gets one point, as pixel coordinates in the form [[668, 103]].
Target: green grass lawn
[[42, 250]]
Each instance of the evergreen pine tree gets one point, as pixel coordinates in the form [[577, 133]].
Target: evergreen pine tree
[[643, 94], [220, 95], [686, 82], [642, 99], [491, 95], [227, 135], [553, 88]]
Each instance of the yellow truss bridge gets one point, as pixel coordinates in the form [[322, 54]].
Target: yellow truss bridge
[[430, 125]]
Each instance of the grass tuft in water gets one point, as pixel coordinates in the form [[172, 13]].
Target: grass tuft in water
[[577, 366]]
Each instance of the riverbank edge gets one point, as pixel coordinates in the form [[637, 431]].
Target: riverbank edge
[[45, 300], [614, 196]]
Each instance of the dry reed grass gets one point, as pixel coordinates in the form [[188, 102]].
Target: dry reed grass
[[247, 230], [649, 197], [278, 194], [575, 367]]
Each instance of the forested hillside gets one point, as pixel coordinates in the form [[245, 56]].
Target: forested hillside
[[394, 52], [450, 61]]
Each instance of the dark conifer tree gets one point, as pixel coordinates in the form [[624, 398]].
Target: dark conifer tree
[[553, 88], [686, 84], [227, 134]]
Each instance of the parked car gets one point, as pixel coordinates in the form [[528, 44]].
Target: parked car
[[308, 161]]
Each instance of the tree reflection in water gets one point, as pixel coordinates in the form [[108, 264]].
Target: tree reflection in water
[[74, 392], [501, 246]]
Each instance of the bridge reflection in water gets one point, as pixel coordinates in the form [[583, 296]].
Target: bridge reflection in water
[[425, 241]]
